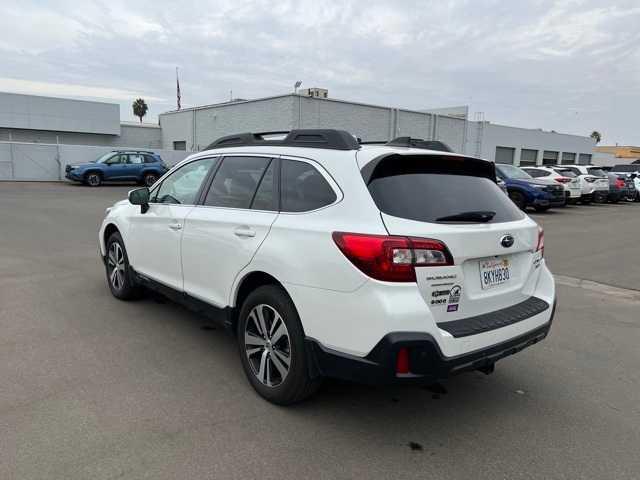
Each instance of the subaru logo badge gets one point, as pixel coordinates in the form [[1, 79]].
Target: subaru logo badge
[[507, 241]]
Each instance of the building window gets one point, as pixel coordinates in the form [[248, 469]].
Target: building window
[[505, 155], [549, 158], [568, 158], [584, 159], [528, 157], [180, 145]]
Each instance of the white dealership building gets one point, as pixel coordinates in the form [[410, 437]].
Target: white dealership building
[[195, 128], [39, 135]]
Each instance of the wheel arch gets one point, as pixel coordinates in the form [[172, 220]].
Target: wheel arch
[[247, 284], [93, 170], [109, 230]]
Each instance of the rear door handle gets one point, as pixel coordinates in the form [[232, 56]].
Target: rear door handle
[[244, 231], [175, 226]]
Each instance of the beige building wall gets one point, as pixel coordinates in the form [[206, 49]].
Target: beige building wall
[[624, 151]]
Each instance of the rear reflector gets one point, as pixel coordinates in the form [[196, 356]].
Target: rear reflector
[[402, 361], [391, 258]]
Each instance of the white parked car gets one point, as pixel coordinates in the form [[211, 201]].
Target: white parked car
[[568, 180], [381, 264], [594, 180]]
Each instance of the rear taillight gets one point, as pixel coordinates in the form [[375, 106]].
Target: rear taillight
[[540, 247], [391, 258], [563, 179], [620, 183]]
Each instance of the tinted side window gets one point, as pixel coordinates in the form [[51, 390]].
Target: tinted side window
[[135, 158], [117, 159], [303, 187], [236, 182], [183, 185], [266, 196], [149, 159]]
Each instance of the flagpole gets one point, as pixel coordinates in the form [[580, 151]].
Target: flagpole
[[177, 89]]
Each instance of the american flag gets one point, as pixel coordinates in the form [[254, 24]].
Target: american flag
[[178, 88]]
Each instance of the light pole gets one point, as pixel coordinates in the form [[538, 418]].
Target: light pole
[[296, 86]]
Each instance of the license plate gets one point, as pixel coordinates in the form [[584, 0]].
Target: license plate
[[494, 272]]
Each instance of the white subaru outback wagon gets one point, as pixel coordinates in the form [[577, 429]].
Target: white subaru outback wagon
[[378, 263]]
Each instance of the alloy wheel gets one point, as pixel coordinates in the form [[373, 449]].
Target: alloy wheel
[[267, 345], [115, 261], [149, 180], [93, 180]]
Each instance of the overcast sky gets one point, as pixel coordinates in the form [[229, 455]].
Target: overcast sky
[[571, 66]]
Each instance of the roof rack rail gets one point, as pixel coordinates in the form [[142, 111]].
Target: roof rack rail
[[310, 138], [420, 143], [131, 150]]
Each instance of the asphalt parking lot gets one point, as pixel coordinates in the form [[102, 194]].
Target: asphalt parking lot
[[94, 388]]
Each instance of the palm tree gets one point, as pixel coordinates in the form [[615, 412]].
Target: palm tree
[[140, 108], [597, 136]]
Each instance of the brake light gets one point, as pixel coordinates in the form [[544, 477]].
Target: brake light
[[540, 247], [391, 258], [620, 183], [563, 179]]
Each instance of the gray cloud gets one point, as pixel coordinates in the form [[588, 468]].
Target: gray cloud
[[571, 66]]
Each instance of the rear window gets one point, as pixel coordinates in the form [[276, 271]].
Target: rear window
[[625, 168], [566, 173], [598, 172], [429, 189]]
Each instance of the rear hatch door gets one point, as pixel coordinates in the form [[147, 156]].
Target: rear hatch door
[[495, 261]]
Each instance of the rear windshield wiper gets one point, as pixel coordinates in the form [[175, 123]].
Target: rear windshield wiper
[[476, 216]]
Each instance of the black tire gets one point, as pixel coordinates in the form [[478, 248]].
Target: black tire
[[149, 179], [122, 285], [297, 384], [518, 199], [542, 209], [637, 197], [93, 179]]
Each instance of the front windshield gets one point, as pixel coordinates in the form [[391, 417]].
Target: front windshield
[[103, 158], [510, 171]]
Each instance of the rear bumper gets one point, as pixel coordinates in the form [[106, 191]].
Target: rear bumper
[[426, 360], [550, 202]]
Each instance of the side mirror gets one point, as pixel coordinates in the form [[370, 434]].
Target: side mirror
[[634, 175], [140, 196]]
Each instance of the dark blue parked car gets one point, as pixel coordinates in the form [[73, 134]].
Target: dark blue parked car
[[130, 165], [526, 191]]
